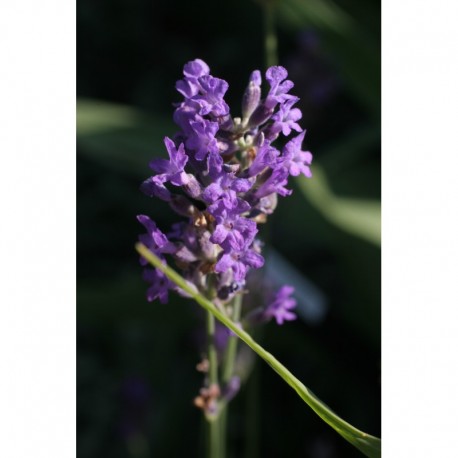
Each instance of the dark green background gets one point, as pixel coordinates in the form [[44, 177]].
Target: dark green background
[[136, 360]]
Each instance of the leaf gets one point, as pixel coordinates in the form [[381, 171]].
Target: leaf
[[367, 444], [360, 217], [119, 136]]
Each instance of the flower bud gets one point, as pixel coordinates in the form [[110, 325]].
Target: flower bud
[[259, 139], [260, 115], [208, 249], [251, 99], [192, 187], [182, 205]]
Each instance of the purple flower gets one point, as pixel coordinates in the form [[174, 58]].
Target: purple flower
[[222, 212], [196, 68], [173, 169], [222, 335], [226, 175], [213, 168], [159, 285], [135, 396], [252, 94], [232, 388], [203, 140], [235, 233], [278, 92], [281, 306], [211, 99], [294, 159], [184, 115], [266, 157], [229, 175], [239, 262], [286, 117], [275, 75], [154, 239], [226, 187], [189, 87], [274, 184], [154, 187]]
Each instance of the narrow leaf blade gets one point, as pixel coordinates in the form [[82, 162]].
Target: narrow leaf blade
[[367, 444]]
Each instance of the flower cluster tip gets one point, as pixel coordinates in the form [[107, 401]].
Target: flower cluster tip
[[223, 175]]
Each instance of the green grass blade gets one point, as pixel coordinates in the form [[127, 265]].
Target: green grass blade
[[120, 137], [367, 444], [360, 217]]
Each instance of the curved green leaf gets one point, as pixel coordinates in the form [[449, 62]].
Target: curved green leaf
[[361, 217], [367, 444], [119, 136]]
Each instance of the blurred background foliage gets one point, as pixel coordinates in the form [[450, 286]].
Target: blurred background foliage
[[136, 361]]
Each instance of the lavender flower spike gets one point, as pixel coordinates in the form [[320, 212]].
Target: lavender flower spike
[[222, 178]]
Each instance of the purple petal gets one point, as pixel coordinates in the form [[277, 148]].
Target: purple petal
[[225, 263], [220, 234], [241, 185], [239, 270], [253, 259], [280, 307], [187, 88], [196, 68], [255, 77], [159, 165], [212, 192], [276, 74]]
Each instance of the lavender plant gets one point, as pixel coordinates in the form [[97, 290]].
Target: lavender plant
[[223, 178]]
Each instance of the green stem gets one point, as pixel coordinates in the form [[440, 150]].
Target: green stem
[[228, 369], [212, 356], [367, 444], [270, 37], [231, 350], [222, 419], [213, 425], [253, 406], [213, 439]]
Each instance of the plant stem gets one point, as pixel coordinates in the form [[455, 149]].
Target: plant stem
[[213, 425], [212, 357], [231, 350], [228, 369], [366, 443], [213, 439], [253, 406], [222, 420], [270, 37]]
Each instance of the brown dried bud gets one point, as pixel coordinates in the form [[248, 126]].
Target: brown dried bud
[[203, 366], [251, 155], [200, 219], [199, 402], [207, 267], [214, 391], [260, 219], [208, 398]]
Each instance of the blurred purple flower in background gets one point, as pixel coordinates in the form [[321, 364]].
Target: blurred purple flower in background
[[135, 395], [281, 306], [318, 80]]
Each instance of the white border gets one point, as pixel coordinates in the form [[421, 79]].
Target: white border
[[419, 214], [37, 243]]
